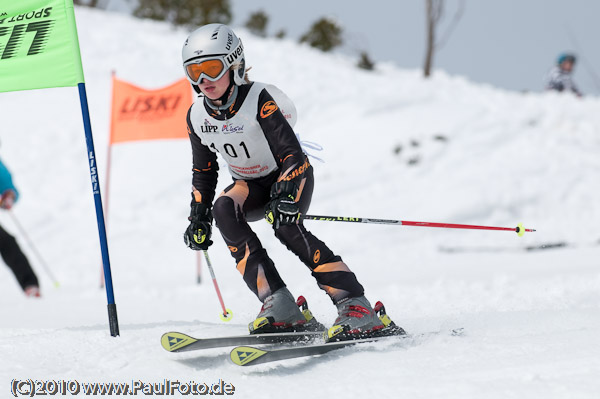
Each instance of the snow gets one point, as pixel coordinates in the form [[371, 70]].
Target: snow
[[395, 147]]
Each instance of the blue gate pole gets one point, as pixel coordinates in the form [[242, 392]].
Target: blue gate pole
[[112, 307]]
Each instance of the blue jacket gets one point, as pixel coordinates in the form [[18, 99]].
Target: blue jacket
[[6, 182]]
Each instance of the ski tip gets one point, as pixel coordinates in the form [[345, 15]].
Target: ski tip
[[226, 316], [245, 355], [175, 341]]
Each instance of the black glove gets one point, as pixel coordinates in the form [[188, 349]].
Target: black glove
[[197, 235], [282, 209]]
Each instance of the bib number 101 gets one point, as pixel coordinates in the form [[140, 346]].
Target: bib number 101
[[231, 151]]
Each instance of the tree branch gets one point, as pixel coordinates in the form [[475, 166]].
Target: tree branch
[[457, 16]]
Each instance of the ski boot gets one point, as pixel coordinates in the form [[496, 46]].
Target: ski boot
[[280, 313], [358, 320]]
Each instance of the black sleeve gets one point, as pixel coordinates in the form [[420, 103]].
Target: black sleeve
[[281, 138], [205, 168]]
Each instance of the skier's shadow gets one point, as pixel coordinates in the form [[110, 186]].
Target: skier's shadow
[[284, 369], [211, 362], [202, 363]]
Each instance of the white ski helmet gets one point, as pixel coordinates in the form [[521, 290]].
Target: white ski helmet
[[220, 45]]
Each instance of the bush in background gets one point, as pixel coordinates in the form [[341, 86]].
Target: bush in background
[[185, 12], [365, 62], [257, 23], [325, 34]]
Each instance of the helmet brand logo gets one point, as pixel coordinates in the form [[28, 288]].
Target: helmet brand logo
[[229, 41], [235, 54]]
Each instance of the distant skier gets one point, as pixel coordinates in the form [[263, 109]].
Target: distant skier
[[560, 77], [9, 248], [272, 178]]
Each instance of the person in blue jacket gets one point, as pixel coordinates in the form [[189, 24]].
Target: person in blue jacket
[[560, 78], [9, 248]]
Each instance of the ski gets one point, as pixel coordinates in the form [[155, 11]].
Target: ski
[[179, 342], [248, 355]]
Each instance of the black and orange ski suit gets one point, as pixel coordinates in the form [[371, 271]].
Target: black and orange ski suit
[[260, 147]]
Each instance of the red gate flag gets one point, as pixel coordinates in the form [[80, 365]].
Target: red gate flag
[[140, 114]]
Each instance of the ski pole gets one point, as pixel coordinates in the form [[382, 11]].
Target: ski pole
[[198, 268], [520, 230], [227, 314], [33, 248]]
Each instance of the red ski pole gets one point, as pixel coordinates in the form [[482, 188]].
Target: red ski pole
[[520, 230], [226, 315]]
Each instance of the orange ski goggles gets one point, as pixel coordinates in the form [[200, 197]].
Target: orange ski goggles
[[212, 69]]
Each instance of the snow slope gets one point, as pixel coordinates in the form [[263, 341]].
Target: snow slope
[[396, 147]]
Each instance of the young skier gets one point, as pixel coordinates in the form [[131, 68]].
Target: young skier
[[272, 178], [560, 77], [9, 248]]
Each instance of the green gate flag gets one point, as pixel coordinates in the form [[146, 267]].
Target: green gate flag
[[39, 47]]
